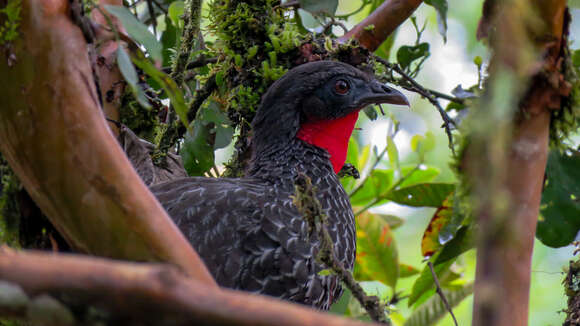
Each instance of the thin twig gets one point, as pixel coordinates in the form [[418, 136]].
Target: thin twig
[[441, 294], [152, 16], [309, 206], [414, 86], [200, 62]]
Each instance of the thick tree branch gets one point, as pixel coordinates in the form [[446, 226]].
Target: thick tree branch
[[54, 136], [507, 157], [150, 294], [385, 19]]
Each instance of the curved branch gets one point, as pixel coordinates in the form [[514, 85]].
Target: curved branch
[[385, 19], [151, 294], [54, 136]]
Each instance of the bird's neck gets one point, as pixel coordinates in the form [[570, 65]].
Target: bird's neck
[[316, 148], [331, 135]]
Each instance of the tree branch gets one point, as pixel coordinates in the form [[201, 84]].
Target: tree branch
[[385, 19], [508, 150], [150, 294], [55, 138], [309, 206]]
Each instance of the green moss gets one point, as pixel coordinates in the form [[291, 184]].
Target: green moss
[[566, 120], [9, 210], [143, 121], [10, 21]]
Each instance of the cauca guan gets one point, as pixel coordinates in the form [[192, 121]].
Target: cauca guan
[[247, 230]]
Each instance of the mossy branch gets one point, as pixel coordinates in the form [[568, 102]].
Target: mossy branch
[[309, 206], [192, 18]]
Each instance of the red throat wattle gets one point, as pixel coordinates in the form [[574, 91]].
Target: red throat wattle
[[332, 135]]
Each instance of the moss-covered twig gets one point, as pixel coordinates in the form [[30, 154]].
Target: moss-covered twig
[[309, 206], [192, 18]]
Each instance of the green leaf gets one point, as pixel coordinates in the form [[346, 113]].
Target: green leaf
[[424, 174], [137, 31], [425, 281], [393, 221], [576, 57], [169, 40], [407, 271], [393, 153], [560, 207], [430, 241], [441, 8], [341, 306], [175, 10], [376, 185], [130, 74], [426, 194], [371, 112], [462, 242], [407, 54], [352, 153], [197, 151], [319, 6], [377, 256], [169, 86], [434, 309]]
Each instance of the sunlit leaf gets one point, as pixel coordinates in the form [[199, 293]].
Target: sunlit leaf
[[441, 8], [376, 185], [560, 209], [430, 242], [393, 221], [393, 153], [352, 153], [175, 10], [426, 194], [434, 309], [377, 255], [137, 31], [407, 270], [319, 6], [424, 174], [364, 156]]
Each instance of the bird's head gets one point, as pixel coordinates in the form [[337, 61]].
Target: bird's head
[[319, 103]]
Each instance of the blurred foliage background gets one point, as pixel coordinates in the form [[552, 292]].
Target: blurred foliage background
[[403, 157]]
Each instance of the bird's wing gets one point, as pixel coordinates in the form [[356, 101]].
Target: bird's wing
[[249, 234]]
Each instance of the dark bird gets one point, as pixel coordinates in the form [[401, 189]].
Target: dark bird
[[247, 230]]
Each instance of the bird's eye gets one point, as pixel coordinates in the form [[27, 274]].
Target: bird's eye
[[341, 87]]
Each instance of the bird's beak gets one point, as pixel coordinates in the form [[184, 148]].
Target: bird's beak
[[379, 93]]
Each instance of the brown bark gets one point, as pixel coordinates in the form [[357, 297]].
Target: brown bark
[[53, 135], [516, 175], [385, 19], [150, 294], [111, 81]]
